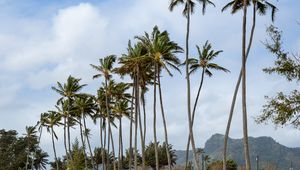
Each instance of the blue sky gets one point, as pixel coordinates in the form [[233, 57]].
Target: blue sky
[[42, 42]]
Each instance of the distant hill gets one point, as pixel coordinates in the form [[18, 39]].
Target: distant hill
[[268, 150]]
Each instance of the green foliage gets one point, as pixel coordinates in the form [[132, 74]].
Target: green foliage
[[282, 109], [14, 151], [218, 165], [162, 155]]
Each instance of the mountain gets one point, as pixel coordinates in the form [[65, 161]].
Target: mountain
[[267, 149]]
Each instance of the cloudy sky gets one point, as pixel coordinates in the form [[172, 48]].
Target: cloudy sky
[[42, 42]]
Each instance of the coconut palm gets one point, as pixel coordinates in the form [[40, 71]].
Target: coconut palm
[[40, 160], [105, 69], [206, 55], [69, 91], [189, 8], [259, 6], [162, 52], [136, 64], [31, 139], [51, 119]]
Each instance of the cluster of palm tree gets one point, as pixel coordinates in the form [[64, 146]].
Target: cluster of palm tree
[[144, 63]]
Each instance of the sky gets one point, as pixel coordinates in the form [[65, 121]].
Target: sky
[[42, 42]]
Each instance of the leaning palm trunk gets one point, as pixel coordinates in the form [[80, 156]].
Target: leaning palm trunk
[[193, 118], [53, 145], [69, 138], [164, 121], [108, 121], [101, 142], [120, 158], [112, 148], [189, 93], [83, 144], [237, 89], [154, 120], [88, 142], [144, 113], [244, 105]]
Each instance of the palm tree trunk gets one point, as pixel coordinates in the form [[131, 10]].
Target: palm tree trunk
[[89, 144], [82, 141], [53, 145], [136, 115], [112, 147], [244, 104], [102, 146], [144, 112], [164, 121], [69, 138], [189, 92], [65, 137], [193, 117], [108, 121], [154, 120], [131, 122], [120, 157], [237, 89]]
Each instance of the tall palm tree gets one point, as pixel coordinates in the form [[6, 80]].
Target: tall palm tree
[[69, 90], [51, 119], [136, 64], [206, 55], [162, 52], [189, 8], [259, 6], [105, 69], [31, 138]]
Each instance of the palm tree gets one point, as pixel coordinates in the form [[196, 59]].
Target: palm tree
[[162, 52], [206, 55], [40, 160], [105, 69], [31, 139], [259, 6], [189, 8], [136, 64], [69, 91], [51, 119]]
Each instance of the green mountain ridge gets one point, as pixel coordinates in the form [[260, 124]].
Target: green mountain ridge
[[267, 149]]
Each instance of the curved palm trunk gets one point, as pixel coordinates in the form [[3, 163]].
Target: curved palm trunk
[[131, 122], [189, 93], [244, 104], [164, 121], [69, 138], [237, 89], [193, 118], [82, 141], [154, 120], [89, 144], [54, 150], [108, 122]]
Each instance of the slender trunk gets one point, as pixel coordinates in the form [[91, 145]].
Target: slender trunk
[[154, 120], [131, 122], [164, 121], [237, 89], [140, 119], [193, 117], [120, 154], [144, 113], [82, 141], [112, 148], [189, 93], [106, 154], [101, 142], [53, 145], [244, 103], [69, 138], [136, 115], [65, 137], [88, 142], [108, 122]]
